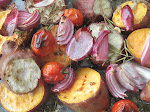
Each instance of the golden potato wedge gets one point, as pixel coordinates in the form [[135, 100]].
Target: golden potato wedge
[[87, 94]]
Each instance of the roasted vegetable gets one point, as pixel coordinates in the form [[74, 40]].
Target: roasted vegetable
[[94, 9], [141, 15], [115, 43], [22, 102], [145, 94], [138, 45], [87, 94], [43, 43], [49, 14], [51, 72], [19, 69], [124, 106], [58, 54], [75, 15]]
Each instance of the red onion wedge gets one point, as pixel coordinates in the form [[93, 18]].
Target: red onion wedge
[[145, 57], [3, 3], [133, 75], [43, 3], [78, 32], [124, 80], [66, 83], [100, 48], [10, 23], [65, 31], [27, 21], [79, 50], [114, 87], [127, 17], [144, 72]]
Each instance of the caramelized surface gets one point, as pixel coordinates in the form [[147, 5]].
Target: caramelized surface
[[20, 102], [87, 83], [139, 11], [136, 41]]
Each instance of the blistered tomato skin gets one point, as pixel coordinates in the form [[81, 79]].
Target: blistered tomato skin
[[124, 106], [74, 15], [51, 72], [43, 43]]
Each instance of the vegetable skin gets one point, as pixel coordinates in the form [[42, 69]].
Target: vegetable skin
[[140, 10], [87, 94], [135, 43], [23, 102]]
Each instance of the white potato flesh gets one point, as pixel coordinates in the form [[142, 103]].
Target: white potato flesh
[[22, 75]]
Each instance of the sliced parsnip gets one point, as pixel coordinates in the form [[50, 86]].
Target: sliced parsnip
[[88, 92]]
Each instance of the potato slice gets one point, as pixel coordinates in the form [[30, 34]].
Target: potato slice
[[87, 94], [135, 43], [140, 11], [22, 102]]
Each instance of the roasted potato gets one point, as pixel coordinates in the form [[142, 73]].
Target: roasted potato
[[22, 102], [136, 41], [87, 94], [141, 13]]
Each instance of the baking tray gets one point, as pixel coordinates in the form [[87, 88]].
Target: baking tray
[[54, 105]]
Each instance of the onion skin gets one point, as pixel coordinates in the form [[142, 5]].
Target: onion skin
[[30, 22], [66, 83], [3, 3], [44, 3], [145, 94], [113, 86], [127, 17], [81, 49], [100, 48], [124, 80], [145, 56], [10, 23], [65, 31]]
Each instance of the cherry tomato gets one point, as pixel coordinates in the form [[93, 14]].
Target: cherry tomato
[[75, 16], [43, 43], [51, 72], [124, 106]]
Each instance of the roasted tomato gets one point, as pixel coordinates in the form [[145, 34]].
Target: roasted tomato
[[51, 72], [75, 16], [43, 42], [124, 106]]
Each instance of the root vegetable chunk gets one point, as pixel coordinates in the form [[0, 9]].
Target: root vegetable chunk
[[136, 41], [22, 75], [87, 94], [21, 102], [140, 12]]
